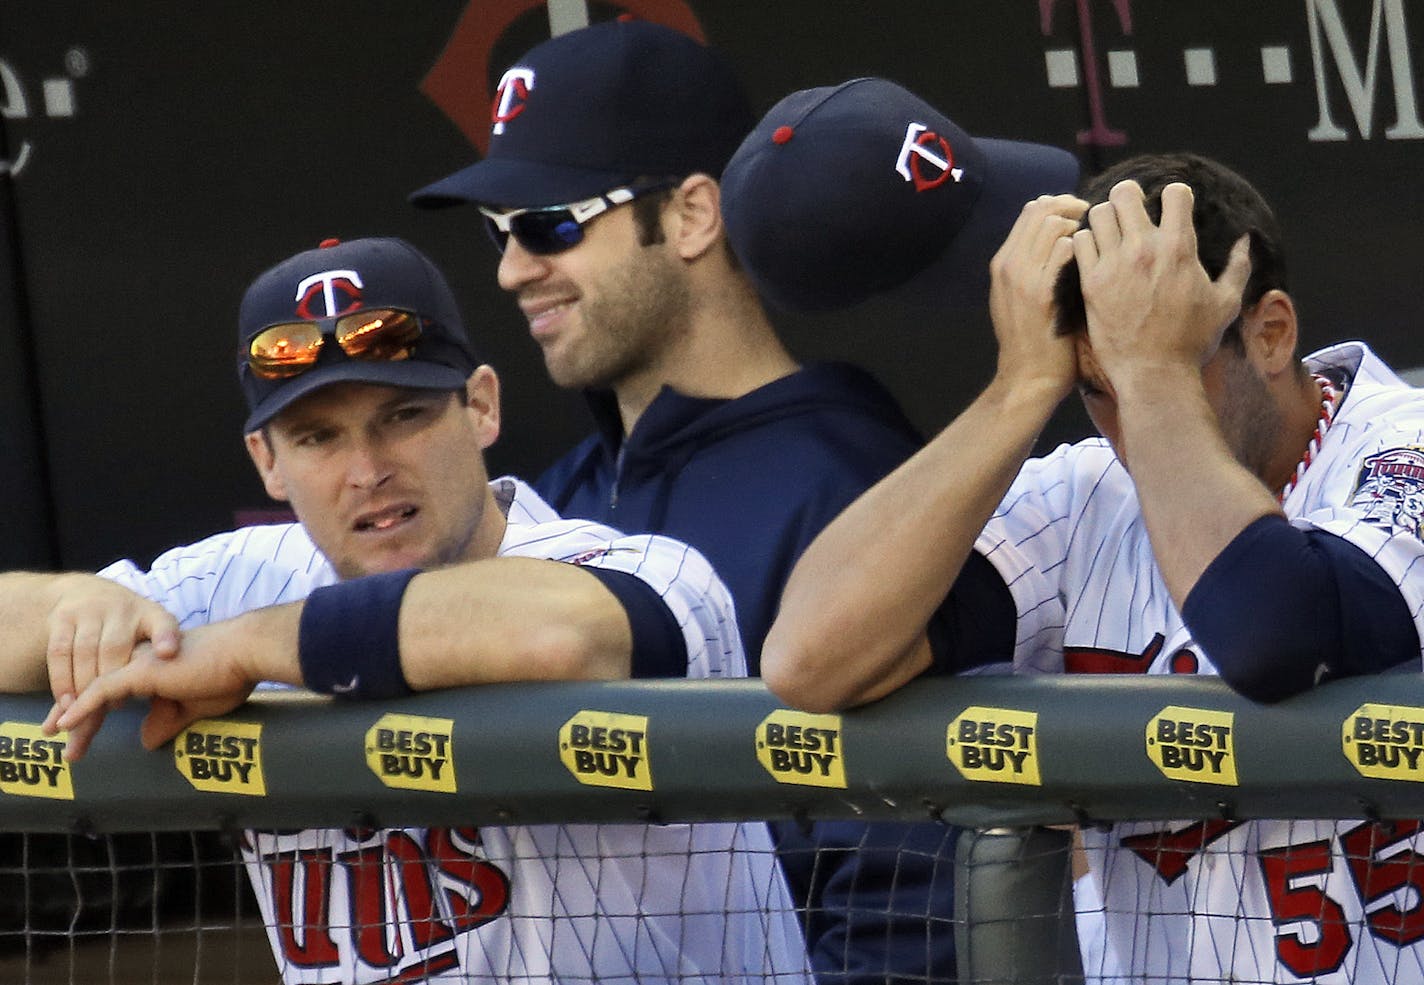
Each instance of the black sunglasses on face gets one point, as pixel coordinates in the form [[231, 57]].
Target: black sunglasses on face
[[551, 229]]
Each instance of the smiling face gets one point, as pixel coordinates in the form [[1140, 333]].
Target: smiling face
[[605, 311], [385, 478]]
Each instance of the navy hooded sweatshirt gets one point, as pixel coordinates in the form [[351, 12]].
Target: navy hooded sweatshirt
[[750, 482]]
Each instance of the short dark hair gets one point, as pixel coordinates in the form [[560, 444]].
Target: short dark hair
[[648, 220], [647, 216], [1225, 207]]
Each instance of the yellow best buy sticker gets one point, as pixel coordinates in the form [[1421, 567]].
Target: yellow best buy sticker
[[1193, 744], [995, 745], [801, 748], [32, 763], [1384, 742], [221, 757], [413, 752], [606, 749]]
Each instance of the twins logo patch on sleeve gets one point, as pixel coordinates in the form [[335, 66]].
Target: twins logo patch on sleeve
[[1390, 490]]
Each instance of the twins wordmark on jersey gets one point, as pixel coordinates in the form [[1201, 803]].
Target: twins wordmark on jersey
[[369, 905], [617, 904]]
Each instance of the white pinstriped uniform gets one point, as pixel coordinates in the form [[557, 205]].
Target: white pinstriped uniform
[[553, 903], [1070, 541]]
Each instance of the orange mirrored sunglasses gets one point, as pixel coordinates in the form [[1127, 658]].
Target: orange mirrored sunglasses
[[291, 348]]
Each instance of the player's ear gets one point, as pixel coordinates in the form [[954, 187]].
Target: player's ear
[[259, 449], [482, 403], [1269, 331], [696, 223]]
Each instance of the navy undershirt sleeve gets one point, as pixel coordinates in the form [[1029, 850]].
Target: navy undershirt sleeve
[[975, 625], [1281, 609], [659, 649]]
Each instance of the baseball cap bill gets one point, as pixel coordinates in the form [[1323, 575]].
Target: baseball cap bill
[[318, 296], [599, 108], [842, 192]]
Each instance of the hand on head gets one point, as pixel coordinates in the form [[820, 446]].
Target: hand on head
[[1024, 273], [1149, 301]]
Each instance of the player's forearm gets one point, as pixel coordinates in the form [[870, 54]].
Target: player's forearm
[[1196, 497], [853, 614], [506, 619], [511, 619], [25, 601], [257, 646]]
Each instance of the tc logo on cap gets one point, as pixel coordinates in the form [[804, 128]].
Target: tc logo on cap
[[339, 290], [509, 98], [919, 139]]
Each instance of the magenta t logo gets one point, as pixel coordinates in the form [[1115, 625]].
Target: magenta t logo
[[1099, 134]]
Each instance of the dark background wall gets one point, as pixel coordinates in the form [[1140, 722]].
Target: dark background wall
[[158, 155]]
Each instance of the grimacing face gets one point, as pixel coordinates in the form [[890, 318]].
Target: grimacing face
[[385, 478]]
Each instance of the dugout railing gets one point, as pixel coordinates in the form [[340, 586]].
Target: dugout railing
[[1000, 756]]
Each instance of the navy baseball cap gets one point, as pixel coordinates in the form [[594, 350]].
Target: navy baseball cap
[[846, 191], [338, 279], [598, 108]]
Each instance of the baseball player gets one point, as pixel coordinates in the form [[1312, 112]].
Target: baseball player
[[369, 414], [1228, 521], [708, 429]]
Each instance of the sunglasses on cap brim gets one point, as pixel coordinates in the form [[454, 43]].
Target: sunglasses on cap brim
[[288, 349], [551, 229]]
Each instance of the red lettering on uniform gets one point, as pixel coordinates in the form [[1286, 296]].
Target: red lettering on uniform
[[1377, 878], [1297, 899], [426, 927], [1097, 660], [488, 886], [1402, 470], [316, 948], [1296, 895], [369, 916], [394, 888], [1169, 852]]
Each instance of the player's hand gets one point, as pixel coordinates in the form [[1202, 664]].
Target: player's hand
[[1024, 271], [201, 681], [94, 626], [1150, 304]]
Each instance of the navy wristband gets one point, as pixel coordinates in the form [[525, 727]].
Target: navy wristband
[[659, 648], [349, 640]]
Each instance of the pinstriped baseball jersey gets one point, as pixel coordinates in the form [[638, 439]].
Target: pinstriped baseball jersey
[[1182, 902], [553, 903]]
